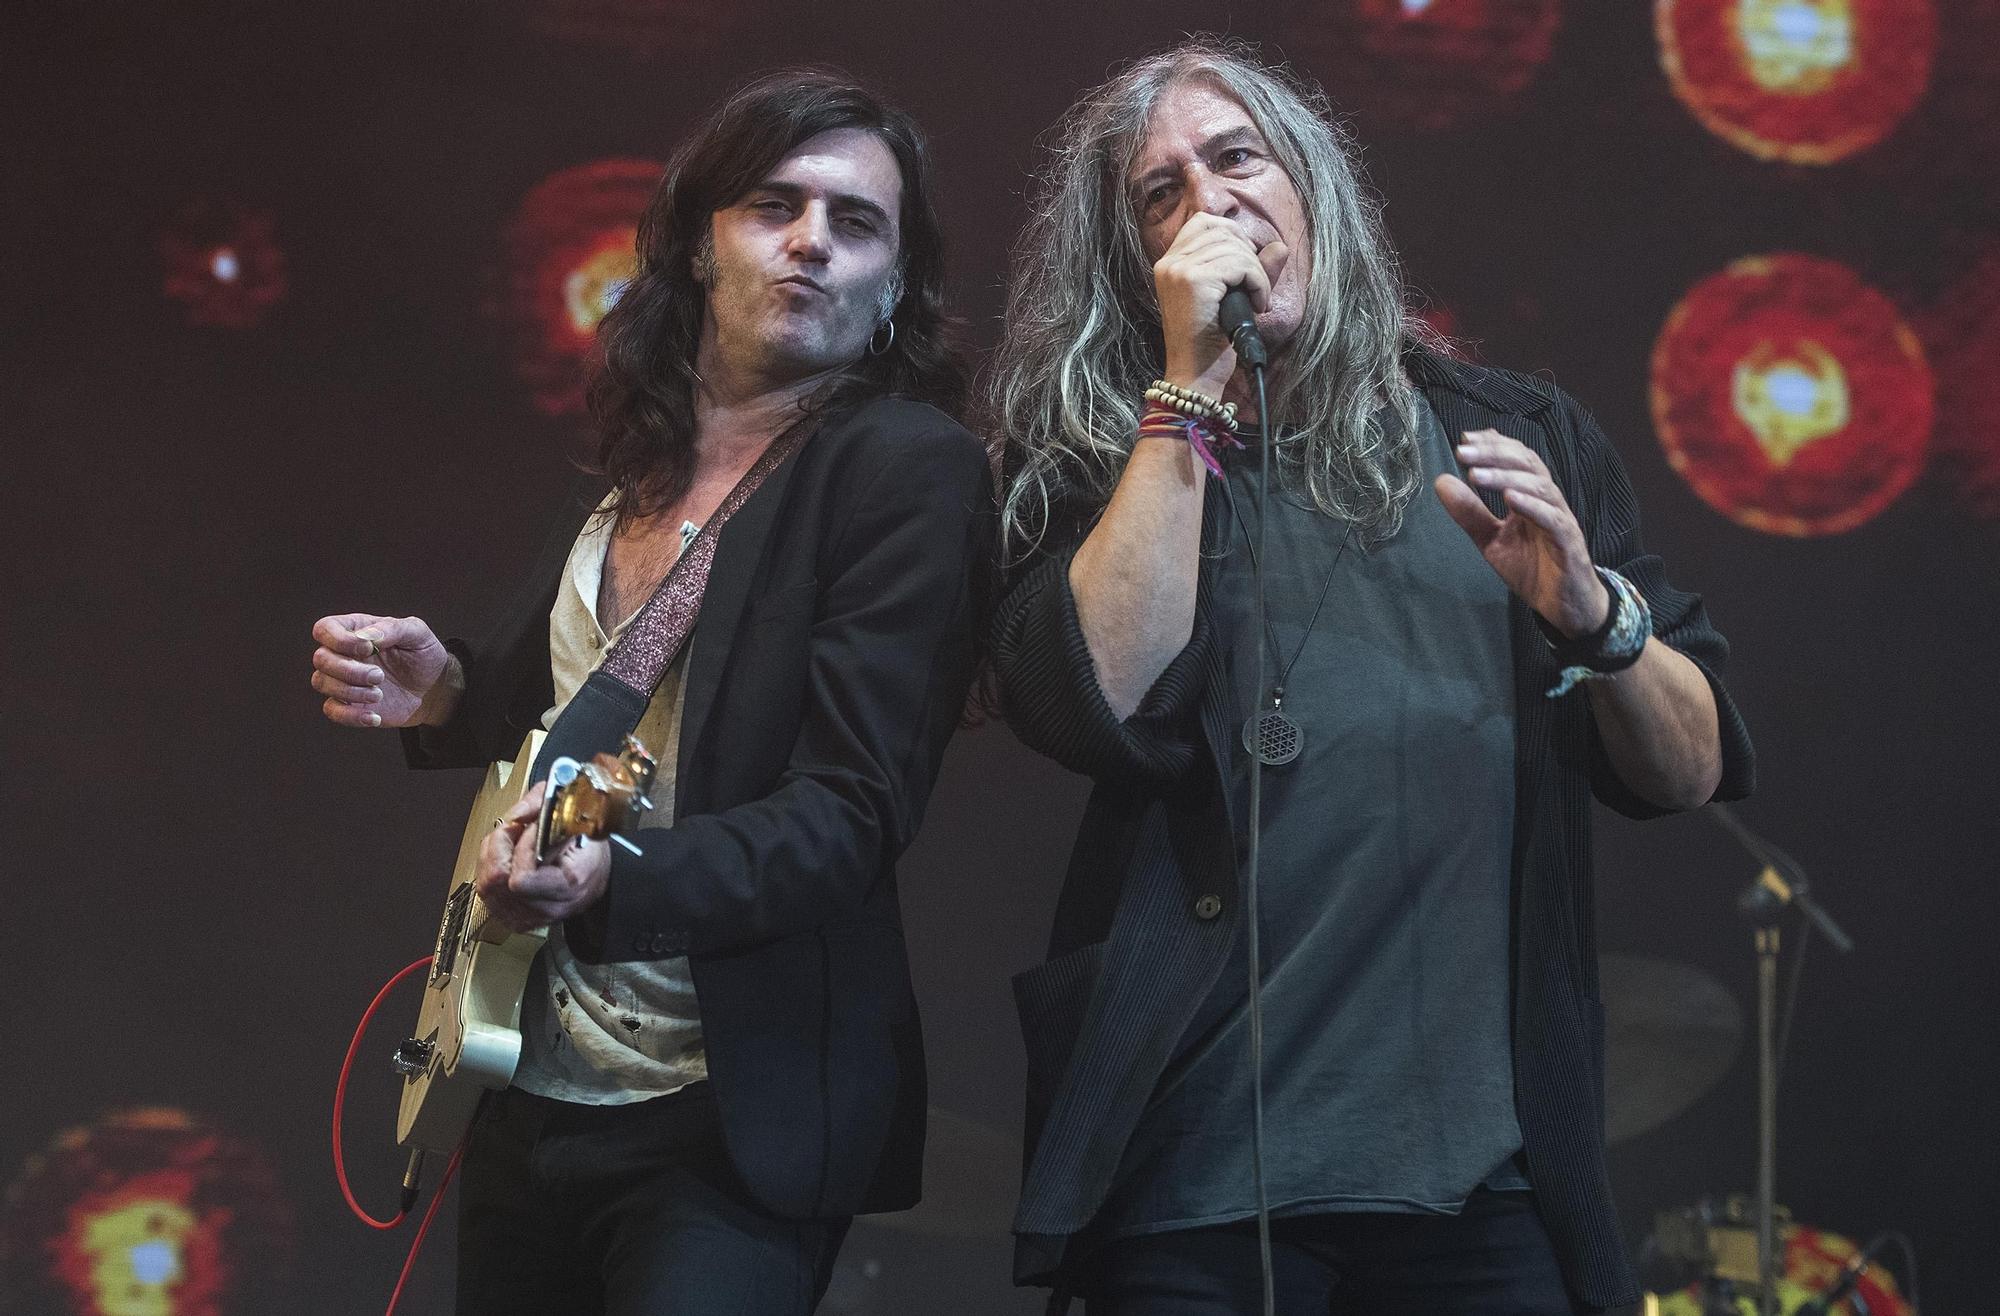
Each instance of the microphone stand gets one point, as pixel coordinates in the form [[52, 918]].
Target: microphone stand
[[1780, 886]]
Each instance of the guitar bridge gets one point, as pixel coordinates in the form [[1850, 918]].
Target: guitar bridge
[[451, 934]]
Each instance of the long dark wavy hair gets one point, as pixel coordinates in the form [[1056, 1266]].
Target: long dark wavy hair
[[642, 379]]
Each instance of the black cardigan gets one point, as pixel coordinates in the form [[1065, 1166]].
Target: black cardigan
[[1131, 955], [837, 638]]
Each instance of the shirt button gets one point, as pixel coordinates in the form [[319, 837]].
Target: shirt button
[[1207, 907]]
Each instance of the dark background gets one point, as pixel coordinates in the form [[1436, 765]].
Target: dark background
[[212, 881]]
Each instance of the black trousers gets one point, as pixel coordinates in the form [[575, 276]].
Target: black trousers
[[1492, 1259], [572, 1209]]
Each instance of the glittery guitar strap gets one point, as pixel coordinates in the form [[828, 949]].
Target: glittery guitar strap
[[615, 696], [641, 656]]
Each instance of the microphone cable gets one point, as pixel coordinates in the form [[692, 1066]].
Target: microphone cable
[[1857, 1266], [1237, 319], [1250, 884], [1253, 932]]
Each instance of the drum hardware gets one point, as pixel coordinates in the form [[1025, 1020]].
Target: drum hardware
[[1710, 1247], [1780, 886], [1703, 1261]]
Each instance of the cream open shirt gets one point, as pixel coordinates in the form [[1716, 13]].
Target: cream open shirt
[[609, 1034]]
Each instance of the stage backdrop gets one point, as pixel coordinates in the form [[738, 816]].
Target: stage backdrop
[[294, 299]]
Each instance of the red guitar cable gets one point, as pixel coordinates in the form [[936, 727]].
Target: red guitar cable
[[424, 1227], [340, 1159], [340, 1099]]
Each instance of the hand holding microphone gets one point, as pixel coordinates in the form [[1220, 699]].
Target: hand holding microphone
[[1209, 259], [1238, 321]]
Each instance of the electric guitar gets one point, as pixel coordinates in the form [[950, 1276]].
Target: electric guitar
[[468, 1036]]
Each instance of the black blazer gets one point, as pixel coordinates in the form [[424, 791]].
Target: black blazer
[[836, 642], [1148, 909]]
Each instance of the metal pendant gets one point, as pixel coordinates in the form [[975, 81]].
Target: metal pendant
[[1272, 738]]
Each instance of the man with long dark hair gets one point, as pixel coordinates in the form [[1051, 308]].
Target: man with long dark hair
[[1464, 641], [721, 1061]]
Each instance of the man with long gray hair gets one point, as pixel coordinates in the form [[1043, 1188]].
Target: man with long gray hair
[[1441, 680]]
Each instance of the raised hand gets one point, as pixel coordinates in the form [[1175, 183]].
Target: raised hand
[[382, 671], [1538, 548]]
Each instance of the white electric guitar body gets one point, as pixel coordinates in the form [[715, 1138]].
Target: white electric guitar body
[[468, 1035]]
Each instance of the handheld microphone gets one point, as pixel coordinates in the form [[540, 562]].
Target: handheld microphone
[[1238, 320]]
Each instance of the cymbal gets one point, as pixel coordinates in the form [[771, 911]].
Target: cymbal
[[1671, 1032], [972, 1174]]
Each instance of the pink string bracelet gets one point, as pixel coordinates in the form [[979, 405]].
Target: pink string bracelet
[[1160, 423]]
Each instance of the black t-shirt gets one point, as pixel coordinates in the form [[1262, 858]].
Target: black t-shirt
[[1386, 855]]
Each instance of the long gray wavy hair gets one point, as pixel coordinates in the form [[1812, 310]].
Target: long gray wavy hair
[[1082, 340]]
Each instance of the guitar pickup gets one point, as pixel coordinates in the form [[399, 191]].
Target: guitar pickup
[[451, 934]]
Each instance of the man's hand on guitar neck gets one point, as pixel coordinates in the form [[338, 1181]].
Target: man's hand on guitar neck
[[384, 672], [525, 894]]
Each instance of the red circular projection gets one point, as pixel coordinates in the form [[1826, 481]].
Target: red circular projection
[[569, 253], [146, 1211], [1429, 63], [1791, 395], [1962, 334], [223, 265], [1805, 81]]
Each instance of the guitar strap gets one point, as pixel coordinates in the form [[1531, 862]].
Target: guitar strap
[[614, 697]]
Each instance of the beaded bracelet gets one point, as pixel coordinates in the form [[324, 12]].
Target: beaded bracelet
[[1609, 649], [1160, 422], [1195, 406]]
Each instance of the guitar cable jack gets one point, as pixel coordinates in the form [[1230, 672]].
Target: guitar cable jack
[[413, 1177]]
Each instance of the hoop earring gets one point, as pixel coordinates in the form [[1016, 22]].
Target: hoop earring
[[886, 343]]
